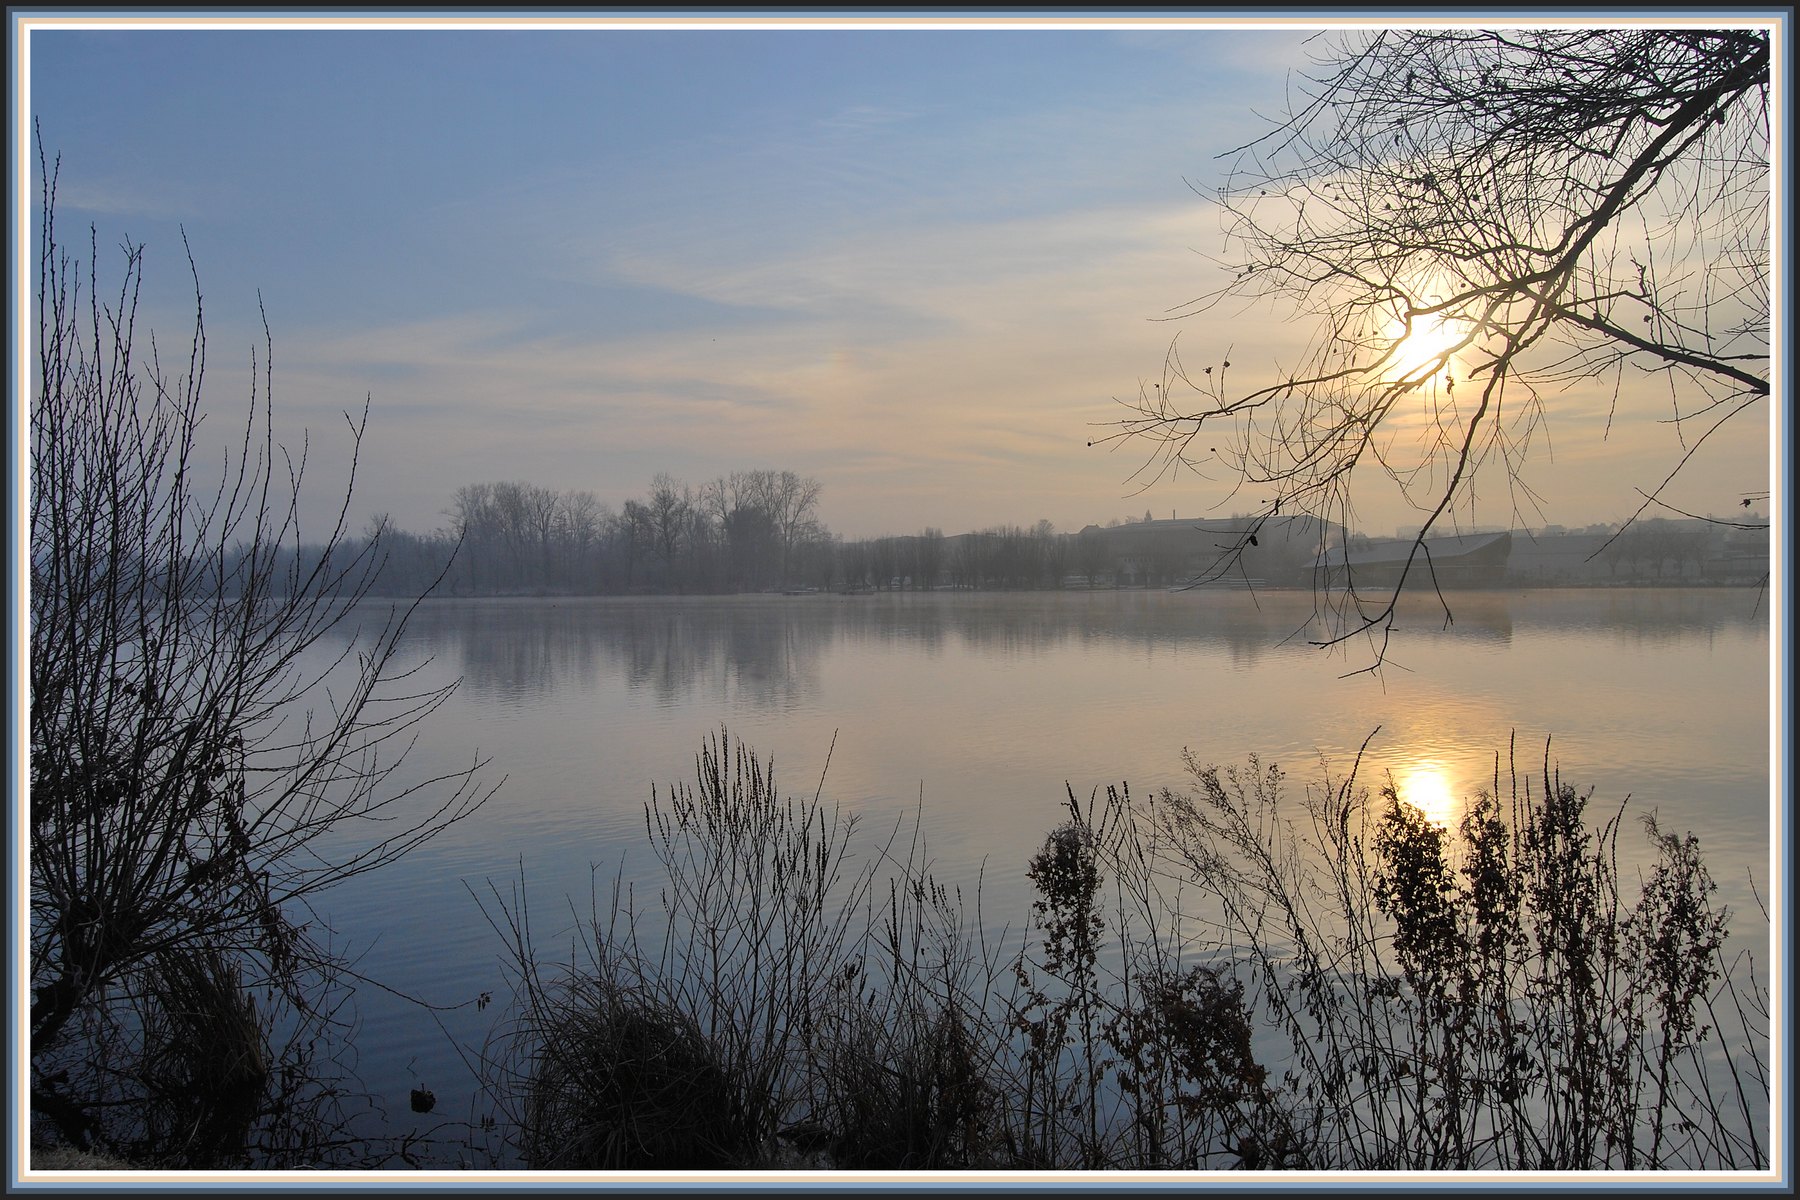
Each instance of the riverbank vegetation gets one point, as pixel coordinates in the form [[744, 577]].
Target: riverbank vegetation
[[1225, 976]]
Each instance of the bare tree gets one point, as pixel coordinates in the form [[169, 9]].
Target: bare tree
[[1052, 552], [475, 527], [636, 537], [513, 518], [884, 562], [580, 519], [541, 506], [670, 507], [792, 501], [1092, 553], [1505, 212], [928, 557], [207, 757], [741, 506]]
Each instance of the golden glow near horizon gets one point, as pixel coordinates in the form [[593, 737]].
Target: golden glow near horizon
[[1426, 786]]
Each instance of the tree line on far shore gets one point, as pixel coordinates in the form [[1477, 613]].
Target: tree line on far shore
[[759, 531], [747, 531]]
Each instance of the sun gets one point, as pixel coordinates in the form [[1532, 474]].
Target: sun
[[1417, 355]]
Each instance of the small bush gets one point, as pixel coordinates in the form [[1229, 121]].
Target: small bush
[[616, 1082], [204, 1072], [702, 1012], [909, 1096]]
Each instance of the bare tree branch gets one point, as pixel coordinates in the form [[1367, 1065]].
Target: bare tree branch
[[1527, 208]]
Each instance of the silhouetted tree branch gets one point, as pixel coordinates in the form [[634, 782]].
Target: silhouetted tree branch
[[1516, 212]]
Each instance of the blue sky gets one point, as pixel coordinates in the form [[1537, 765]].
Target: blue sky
[[917, 264]]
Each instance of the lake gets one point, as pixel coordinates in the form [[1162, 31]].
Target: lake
[[980, 711]]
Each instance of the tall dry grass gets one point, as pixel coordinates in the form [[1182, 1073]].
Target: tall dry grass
[[1225, 976]]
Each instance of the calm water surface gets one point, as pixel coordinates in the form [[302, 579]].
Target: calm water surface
[[979, 711]]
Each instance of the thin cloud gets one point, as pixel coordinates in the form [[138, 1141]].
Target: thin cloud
[[149, 200]]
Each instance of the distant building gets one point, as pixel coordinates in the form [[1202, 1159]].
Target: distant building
[[1685, 550], [1468, 560], [1305, 552], [1201, 551], [1549, 559], [1744, 552], [1408, 532]]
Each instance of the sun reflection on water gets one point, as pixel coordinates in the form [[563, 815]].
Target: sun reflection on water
[[1427, 787]]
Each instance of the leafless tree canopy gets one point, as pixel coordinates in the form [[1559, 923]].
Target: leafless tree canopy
[[1475, 221], [205, 760]]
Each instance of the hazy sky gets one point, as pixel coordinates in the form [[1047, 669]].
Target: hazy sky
[[917, 264]]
